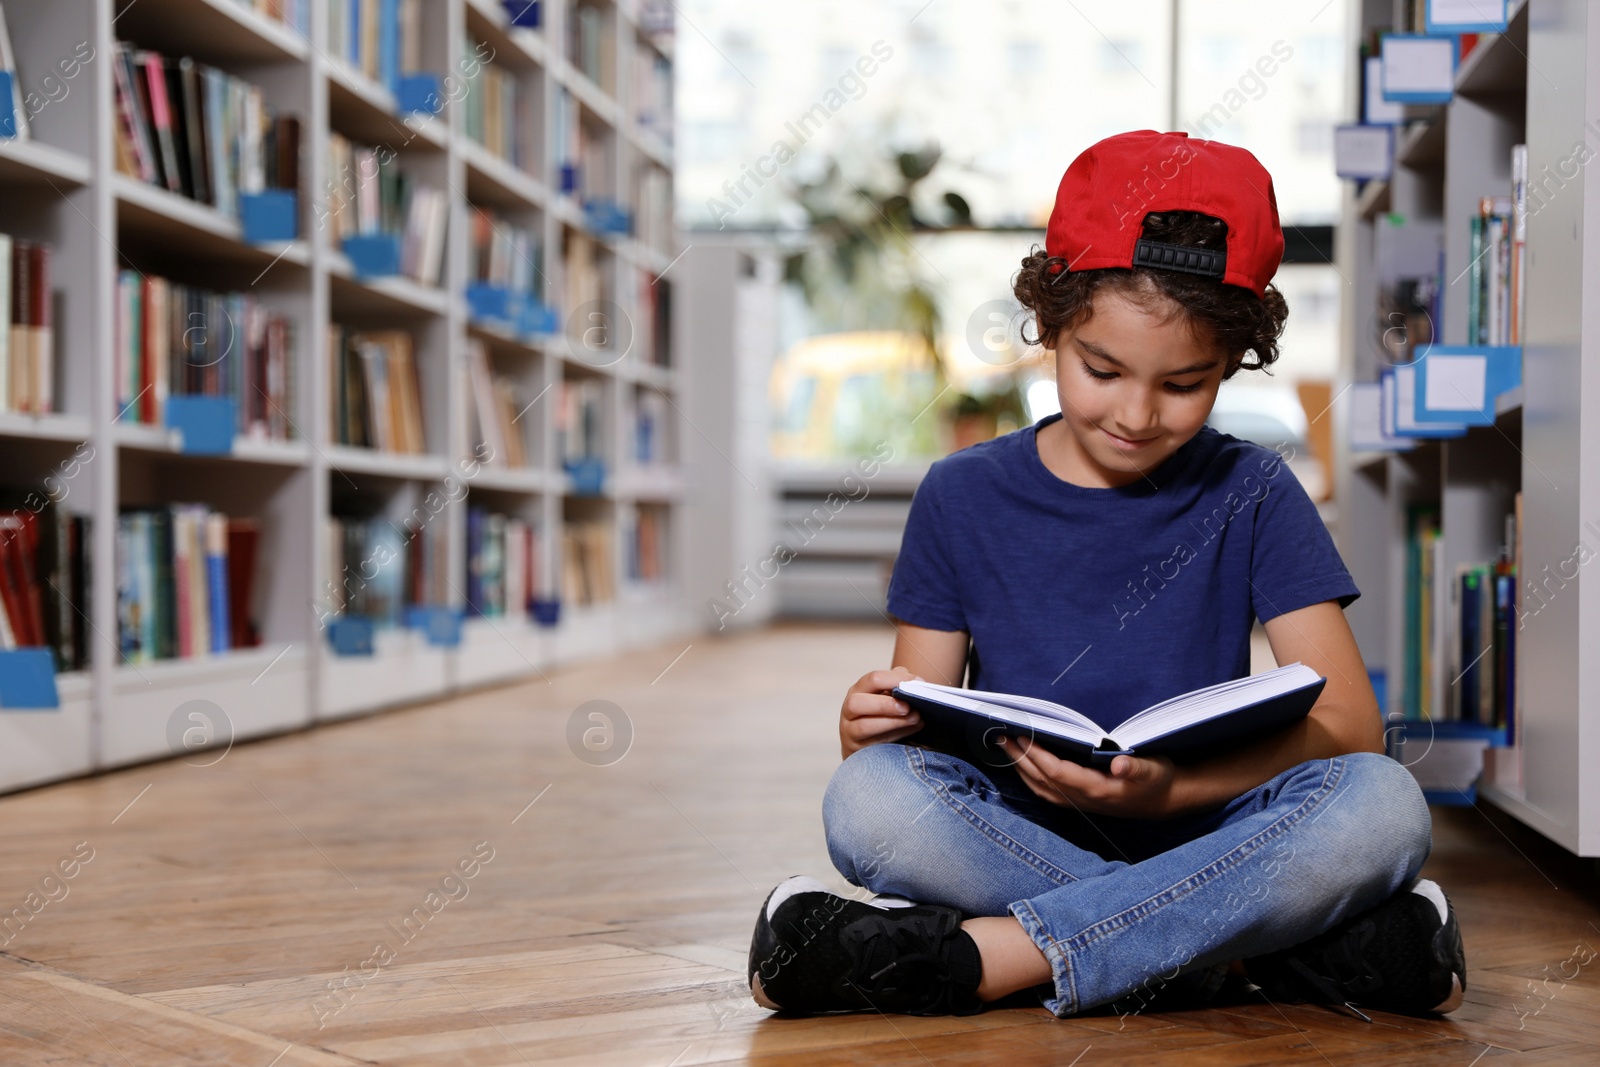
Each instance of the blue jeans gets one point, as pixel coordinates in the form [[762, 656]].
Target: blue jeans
[[1115, 904]]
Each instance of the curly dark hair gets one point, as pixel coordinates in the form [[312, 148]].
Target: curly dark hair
[[1227, 315]]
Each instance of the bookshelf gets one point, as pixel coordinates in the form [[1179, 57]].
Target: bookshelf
[[601, 194], [1530, 85]]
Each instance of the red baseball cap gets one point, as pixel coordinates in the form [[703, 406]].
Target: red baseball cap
[[1114, 184]]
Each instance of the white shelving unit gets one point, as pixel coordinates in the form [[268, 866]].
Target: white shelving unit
[[62, 187], [1534, 84]]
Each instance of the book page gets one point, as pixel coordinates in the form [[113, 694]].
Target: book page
[[1209, 703], [1027, 712]]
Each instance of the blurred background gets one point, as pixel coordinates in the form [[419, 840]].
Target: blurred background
[[858, 183]]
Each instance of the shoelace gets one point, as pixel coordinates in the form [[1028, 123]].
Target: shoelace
[[1345, 960], [916, 974]]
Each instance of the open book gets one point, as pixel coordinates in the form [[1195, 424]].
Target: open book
[[1186, 726]]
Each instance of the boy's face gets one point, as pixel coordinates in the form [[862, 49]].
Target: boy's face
[[1134, 386]]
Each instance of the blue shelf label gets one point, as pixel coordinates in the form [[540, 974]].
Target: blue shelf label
[[8, 107], [547, 612], [351, 635], [604, 215], [373, 255], [492, 302], [206, 422], [418, 94], [588, 476], [535, 317], [272, 215], [1459, 384], [28, 680], [523, 12]]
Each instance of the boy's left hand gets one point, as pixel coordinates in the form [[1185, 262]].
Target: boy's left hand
[[1136, 787]]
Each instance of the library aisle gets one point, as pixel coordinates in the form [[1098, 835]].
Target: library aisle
[[466, 882]]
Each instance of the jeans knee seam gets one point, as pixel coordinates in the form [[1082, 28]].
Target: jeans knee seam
[[915, 759], [1330, 781]]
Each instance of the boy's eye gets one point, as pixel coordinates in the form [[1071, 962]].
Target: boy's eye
[[1104, 376], [1176, 388]]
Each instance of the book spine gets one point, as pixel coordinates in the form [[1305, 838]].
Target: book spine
[[1475, 281], [216, 543], [153, 68]]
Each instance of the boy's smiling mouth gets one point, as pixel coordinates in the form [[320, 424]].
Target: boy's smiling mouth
[[1125, 444]]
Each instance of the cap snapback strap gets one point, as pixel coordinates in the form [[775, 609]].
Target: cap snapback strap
[[1211, 262]]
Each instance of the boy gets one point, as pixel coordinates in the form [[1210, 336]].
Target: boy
[[1107, 558]]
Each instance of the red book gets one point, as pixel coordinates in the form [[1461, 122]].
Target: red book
[[152, 324], [11, 599], [19, 585], [243, 535], [153, 67], [182, 577]]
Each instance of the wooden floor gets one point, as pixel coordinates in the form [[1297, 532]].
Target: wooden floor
[[609, 907]]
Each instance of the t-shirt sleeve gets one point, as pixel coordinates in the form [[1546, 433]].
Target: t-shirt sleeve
[[1293, 562], [923, 589]]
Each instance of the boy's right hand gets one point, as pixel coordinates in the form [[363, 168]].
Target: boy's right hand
[[872, 716]]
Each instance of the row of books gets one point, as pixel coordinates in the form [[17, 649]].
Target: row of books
[[580, 420], [502, 564], [378, 39], [27, 345], [368, 193], [185, 578], [378, 568], [504, 254], [647, 546], [652, 92], [583, 154], [1497, 252], [588, 573], [589, 46], [496, 108], [582, 282], [377, 402], [1461, 626], [294, 13], [648, 413], [497, 429], [179, 340], [199, 132], [45, 579], [652, 200]]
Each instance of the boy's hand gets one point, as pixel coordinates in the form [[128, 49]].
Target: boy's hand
[[871, 716], [1138, 787]]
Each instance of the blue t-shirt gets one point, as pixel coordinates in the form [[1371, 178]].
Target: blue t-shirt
[[1109, 600]]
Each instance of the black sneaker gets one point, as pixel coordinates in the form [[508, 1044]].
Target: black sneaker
[[1404, 955], [816, 952]]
